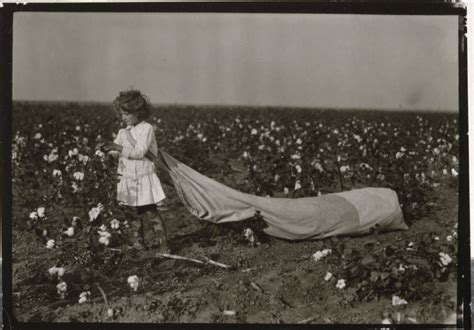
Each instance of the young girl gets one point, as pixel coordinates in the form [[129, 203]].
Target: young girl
[[139, 186]]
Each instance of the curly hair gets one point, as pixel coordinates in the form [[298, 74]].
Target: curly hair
[[134, 102]]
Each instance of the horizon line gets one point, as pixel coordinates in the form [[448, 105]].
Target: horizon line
[[213, 105]]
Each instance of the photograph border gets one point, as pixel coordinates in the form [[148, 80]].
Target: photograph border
[[8, 12]]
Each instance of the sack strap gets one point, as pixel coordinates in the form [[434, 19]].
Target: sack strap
[[151, 156]]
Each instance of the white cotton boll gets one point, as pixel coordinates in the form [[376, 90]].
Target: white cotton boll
[[75, 187], [94, 213], [34, 215], [115, 224], [397, 301], [41, 212], [298, 168], [445, 258], [321, 254], [318, 167], [37, 136], [133, 281], [344, 169], [341, 284], [104, 240], [50, 244], [297, 185], [82, 299], [328, 276], [79, 176], [52, 158], [56, 173], [53, 270], [61, 271], [61, 288], [70, 232], [100, 153]]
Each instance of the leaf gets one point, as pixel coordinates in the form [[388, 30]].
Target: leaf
[[384, 275], [374, 276], [389, 251], [348, 251], [367, 260]]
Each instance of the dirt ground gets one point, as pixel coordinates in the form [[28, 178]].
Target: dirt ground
[[275, 282]]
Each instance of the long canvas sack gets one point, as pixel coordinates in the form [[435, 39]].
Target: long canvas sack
[[353, 212]]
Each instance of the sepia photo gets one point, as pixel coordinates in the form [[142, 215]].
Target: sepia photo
[[236, 167]]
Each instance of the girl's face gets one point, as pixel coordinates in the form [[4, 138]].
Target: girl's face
[[129, 119]]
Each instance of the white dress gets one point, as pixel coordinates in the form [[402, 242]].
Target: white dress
[[139, 184]]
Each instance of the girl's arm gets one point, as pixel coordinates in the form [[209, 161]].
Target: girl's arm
[[143, 143], [112, 147]]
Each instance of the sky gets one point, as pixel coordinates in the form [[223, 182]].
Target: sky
[[308, 60]]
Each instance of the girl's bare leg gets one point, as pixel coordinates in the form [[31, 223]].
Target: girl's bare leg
[[138, 234], [159, 228]]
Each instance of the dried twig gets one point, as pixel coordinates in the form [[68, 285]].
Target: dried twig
[[218, 264], [209, 261], [174, 256], [309, 319], [103, 294], [256, 287]]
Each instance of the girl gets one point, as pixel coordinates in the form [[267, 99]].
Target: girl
[[139, 186]]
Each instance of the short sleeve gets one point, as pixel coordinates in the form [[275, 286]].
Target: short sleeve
[[118, 138]]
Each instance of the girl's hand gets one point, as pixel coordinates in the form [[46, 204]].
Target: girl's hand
[[111, 146]]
